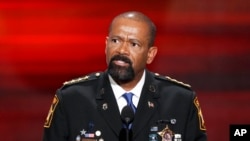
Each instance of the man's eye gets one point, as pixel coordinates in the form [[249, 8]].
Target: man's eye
[[135, 44], [114, 40]]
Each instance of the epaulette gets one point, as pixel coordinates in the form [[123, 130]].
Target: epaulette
[[82, 79], [172, 80]]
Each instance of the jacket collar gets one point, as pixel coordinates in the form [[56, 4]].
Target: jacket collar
[[147, 105]]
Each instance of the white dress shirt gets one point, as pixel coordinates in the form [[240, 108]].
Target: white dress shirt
[[119, 91]]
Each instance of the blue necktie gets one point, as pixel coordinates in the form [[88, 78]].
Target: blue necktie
[[128, 97]]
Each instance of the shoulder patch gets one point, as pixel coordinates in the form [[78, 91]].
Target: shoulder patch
[[201, 120], [172, 80], [51, 112], [82, 79]]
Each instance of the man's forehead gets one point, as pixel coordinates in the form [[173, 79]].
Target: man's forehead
[[129, 23], [129, 29]]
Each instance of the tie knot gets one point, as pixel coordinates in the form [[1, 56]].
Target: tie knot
[[128, 97]]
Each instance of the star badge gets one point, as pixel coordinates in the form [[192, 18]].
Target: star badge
[[83, 132], [166, 134]]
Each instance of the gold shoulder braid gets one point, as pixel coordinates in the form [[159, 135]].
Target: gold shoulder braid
[[82, 79], [172, 80]]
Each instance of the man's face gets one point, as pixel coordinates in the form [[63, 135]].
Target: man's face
[[127, 50]]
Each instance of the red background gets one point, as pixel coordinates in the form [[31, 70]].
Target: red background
[[46, 42]]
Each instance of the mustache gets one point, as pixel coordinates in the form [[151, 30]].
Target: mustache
[[122, 58]]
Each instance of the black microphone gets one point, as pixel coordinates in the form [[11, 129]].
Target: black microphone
[[127, 116]]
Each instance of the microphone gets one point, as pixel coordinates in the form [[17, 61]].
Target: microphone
[[127, 116]]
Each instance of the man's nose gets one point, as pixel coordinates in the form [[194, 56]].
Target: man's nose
[[124, 48]]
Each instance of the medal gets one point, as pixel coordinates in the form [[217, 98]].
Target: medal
[[166, 134]]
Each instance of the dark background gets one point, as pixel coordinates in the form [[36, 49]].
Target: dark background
[[46, 42]]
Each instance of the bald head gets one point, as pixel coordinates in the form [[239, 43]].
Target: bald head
[[140, 17]]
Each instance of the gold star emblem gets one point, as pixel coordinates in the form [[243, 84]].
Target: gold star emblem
[[166, 134]]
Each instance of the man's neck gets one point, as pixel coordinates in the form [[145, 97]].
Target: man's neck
[[127, 86]]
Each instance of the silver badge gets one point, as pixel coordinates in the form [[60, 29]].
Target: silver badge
[[105, 106], [166, 134]]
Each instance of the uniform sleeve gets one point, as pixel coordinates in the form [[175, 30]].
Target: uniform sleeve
[[55, 127], [196, 130]]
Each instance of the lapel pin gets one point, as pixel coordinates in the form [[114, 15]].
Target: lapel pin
[[105, 106], [78, 138], [152, 88], [150, 104], [83, 132], [98, 133]]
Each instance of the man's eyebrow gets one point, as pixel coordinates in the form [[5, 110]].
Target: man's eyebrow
[[135, 40], [115, 36]]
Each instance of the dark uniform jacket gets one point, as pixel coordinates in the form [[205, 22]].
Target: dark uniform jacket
[[85, 109]]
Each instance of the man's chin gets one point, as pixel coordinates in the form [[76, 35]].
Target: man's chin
[[121, 75]]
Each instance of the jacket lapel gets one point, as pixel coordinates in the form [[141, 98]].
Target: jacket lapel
[[107, 105], [147, 105]]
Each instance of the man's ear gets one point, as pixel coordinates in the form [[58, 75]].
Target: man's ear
[[106, 43], [151, 54]]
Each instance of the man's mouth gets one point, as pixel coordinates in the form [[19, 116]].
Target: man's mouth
[[120, 63]]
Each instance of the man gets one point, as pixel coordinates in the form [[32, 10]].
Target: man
[[91, 107]]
